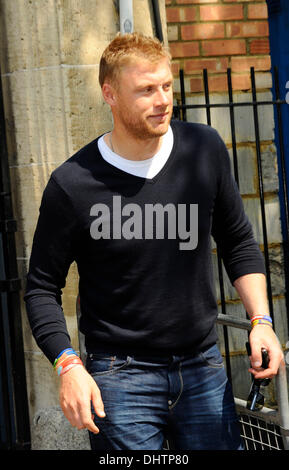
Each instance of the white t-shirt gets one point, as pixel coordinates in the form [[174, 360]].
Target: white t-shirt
[[145, 168]]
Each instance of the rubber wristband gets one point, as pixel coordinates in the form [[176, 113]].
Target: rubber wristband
[[63, 354], [68, 364], [261, 320], [67, 368]]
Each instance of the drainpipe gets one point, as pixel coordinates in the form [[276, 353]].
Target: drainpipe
[[157, 20], [126, 16]]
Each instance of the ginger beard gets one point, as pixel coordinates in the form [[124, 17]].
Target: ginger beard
[[144, 127], [140, 115]]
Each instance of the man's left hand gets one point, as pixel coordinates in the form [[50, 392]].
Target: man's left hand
[[263, 336]]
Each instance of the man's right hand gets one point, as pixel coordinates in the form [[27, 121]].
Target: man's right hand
[[77, 391]]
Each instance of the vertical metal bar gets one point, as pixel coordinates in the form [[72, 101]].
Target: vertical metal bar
[[220, 266], [261, 190], [233, 129], [207, 96], [183, 95], [283, 404], [157, 19]]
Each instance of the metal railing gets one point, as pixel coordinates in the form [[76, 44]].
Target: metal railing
[[180, 112], [265, 429], [268, 428]]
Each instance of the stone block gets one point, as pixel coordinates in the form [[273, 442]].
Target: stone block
[[173, 33], [50, 430], [252, 208], [42, 382], [276, 267], [29, 38], [49, 121], [269, 167], [28, 180], [85, 29], [36, 117], [246, 165], [68, 33], [248, 168], [87, 113]]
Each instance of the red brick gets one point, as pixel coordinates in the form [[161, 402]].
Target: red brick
[[188, 14], [212, 65], [196, 84], [221, 12], [242, 64], [225, 47], [257, 11], [175, 68], [241, 82], [184, 49], [260, 46], [247, 29], [196, 1], [173, 15], [241, 1], [201, 31], [219, 83]]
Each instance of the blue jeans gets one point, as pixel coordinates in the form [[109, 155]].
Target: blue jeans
[[186, 400]]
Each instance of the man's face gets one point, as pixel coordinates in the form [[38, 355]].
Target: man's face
[[144, 99]]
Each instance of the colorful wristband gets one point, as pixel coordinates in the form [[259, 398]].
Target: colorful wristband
[[65, 361], [67, 365], [67, 368], [63, 354], [261, 320]]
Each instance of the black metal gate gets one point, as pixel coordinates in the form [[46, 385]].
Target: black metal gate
[[14, 416], [180, 112]]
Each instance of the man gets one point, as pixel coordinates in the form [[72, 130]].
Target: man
[[135, 209]]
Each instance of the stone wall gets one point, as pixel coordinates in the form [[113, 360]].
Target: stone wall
[[50, 51]]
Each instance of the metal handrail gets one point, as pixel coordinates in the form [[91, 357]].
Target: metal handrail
[[279, 416]]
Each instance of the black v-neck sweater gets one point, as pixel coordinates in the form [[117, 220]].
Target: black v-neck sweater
[[142, 248]]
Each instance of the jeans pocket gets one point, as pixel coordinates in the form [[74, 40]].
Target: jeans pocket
[[98, 364], [212, 357]]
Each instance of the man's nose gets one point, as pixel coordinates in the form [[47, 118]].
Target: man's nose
[[162, 98]]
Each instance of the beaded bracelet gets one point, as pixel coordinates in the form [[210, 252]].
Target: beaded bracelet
[[261, 320]]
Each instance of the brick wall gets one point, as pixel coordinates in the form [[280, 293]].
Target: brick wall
[[217, 34]]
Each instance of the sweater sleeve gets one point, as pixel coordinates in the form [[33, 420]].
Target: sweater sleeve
[[231, 228], [51, 256]]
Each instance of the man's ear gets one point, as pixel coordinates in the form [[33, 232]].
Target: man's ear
[[109, 94]]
